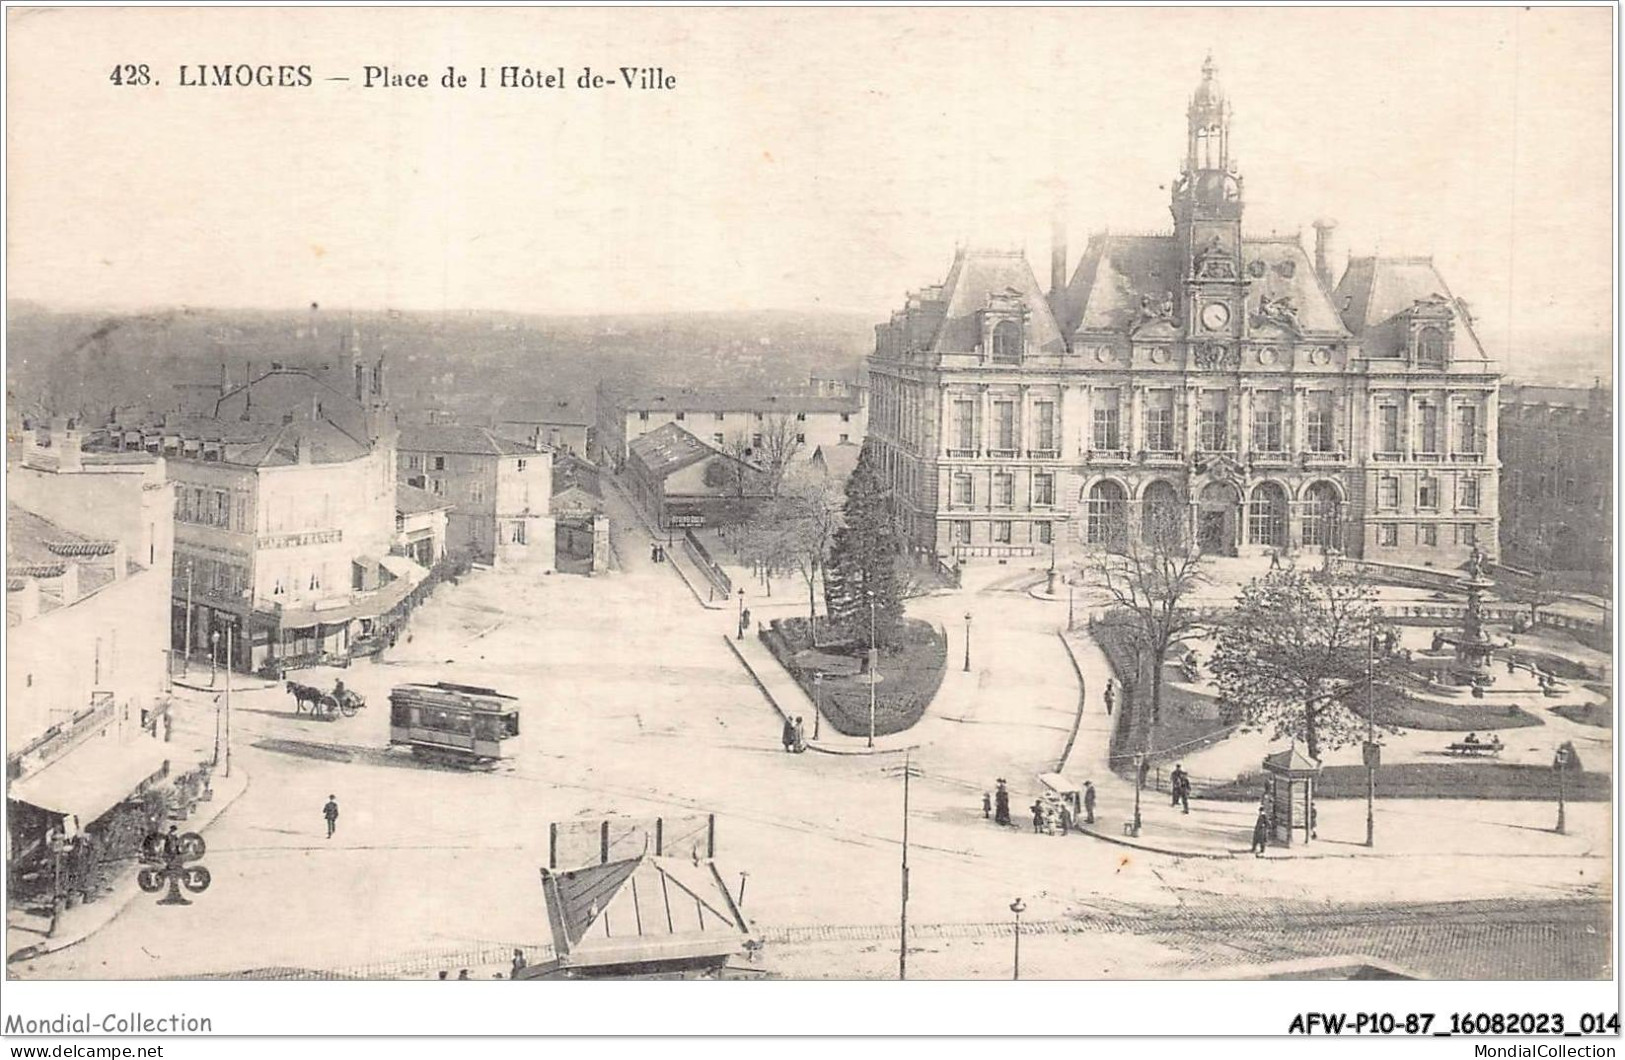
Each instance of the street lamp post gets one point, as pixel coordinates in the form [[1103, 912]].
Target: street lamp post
[[967, 642], [1070, 623], [186, 648], [818, 699], [741, 634], [1139, 783], [1018, 907], [214, 656], [1560, 763], [874, 664]]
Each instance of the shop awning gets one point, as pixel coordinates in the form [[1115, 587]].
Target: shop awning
[[361, 605], [92, 778], [404, 569]]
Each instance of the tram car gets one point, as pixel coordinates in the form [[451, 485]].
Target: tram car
[[457, 725]]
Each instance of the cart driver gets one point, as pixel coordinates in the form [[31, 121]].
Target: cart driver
[[338, 690]]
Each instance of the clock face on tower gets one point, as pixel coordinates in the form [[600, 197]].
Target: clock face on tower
[[1215, 315]]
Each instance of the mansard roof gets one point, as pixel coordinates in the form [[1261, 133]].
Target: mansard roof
[[1375, 291], [1116, 271], [976, 278]]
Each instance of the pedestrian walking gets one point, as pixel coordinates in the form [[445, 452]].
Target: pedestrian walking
[[1275, 559], [331, 812], [169, 724], [788, 736], [654, 552], [518, 962], [1089, 801], [1261, 833], [1111, 697], [1001, 804], [745, 618], [987, 806], [1038, 817], [1180, 782], [801, 736]]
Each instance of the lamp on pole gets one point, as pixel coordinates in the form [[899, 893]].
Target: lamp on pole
[[967, 642], [1560, 763], [227, 771], [874, 663], [1069, 613], [1018, 907], [214, 655], [741, 633], [818, 699], [1139, 783], [186, 648]]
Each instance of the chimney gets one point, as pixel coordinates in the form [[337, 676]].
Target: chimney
[[1057, 253], [1323, 251]]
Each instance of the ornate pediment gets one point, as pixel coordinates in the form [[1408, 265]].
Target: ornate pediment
[[1214, 262], [1280, 314]]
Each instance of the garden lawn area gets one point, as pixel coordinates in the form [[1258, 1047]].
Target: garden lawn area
[[1188, 720], [1437, 780], [1396, 708], [910, 674], [1599, 714]]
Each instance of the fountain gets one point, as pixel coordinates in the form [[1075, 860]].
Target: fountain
[[1473, 648]]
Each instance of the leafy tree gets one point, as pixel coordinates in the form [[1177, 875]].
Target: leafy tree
[[1538, 584], [1295, 652], [1149, 582], [862, 559]]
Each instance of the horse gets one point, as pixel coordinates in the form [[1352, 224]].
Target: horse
[[303, 694]]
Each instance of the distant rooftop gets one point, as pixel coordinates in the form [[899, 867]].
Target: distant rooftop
[[682, 399], [455, 438]]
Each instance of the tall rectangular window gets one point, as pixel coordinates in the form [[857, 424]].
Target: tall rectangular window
[[1467, 500], [1388, 492], [1044, 489], [1212, 423], [1427, 429], [1429, 536], [1001, 531], [1107, 434], [1321, 428], [1467, 440], [1004, 489], [1388, 429], [1046, 533], [1427, 493], [1159, 421], [1388, 534], [1044, 428], [961, 532], [1004, 425], [963, 495], [1466, 534], [965, 423], [1267, 422]]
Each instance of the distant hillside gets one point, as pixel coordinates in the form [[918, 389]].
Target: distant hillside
[[475, 364], [1560, 358]]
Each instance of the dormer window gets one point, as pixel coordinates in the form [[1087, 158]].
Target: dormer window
[[1430, 345], [1007, 342]]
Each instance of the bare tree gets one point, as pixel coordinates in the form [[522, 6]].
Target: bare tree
[[1149, 582], [782, 440], [796, 528]]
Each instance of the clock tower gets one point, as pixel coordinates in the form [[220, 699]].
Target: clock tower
[[1207, 227]]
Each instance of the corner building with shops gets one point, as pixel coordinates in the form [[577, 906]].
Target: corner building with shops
[[1223, 385]]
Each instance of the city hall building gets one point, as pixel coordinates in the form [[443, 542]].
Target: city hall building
[[1224, 385]]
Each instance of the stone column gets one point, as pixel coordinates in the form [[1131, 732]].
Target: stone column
[[1131, 435], [1298, 439], [1086, 436], [1244, 422]]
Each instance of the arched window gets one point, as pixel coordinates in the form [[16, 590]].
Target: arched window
[[1266, 516], [1430, 346], [1162, 516], [1107, 511], [1322, 519], [1007, 342]]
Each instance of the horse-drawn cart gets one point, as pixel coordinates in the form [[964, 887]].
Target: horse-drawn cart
[[325, 706]]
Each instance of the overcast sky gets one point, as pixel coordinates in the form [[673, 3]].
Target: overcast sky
[[806, 159]]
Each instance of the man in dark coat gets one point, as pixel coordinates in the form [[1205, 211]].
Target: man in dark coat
[[1181, 784], [1089, 801], [788, 737], [331, 813], [1110, 696], [1261, 833], [1001, 805]]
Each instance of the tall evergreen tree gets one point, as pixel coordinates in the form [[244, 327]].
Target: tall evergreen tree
[[862, 560]]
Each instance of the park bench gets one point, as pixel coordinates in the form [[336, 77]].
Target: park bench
[[1474, 749]]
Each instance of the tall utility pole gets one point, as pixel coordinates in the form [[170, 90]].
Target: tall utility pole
[[228, 701], [1370, 742], [874, 662], [186, 649], [902, 948]]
